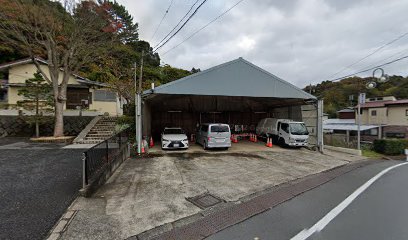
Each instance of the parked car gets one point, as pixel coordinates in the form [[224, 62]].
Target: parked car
[[214, 135], [283, 131], [174, 138]]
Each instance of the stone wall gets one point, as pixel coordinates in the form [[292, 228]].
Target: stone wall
[[19, 126]]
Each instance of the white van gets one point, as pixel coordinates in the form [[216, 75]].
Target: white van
[[214, 135], [284, 131]]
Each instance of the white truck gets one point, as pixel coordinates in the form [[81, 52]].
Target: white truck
[[283, 131]]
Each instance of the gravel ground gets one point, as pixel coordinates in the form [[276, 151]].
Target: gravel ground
[[38, 183]]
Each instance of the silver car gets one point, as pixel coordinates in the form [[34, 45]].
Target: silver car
[[173, 138], [214, 135]]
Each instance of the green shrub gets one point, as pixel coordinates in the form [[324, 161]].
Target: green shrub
[[127, 121], [390, 146]]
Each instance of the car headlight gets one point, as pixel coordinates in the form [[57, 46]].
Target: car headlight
[[292, 140], [185, 140], [165, 140]]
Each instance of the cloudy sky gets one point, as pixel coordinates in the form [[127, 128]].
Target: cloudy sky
[[303, 41]]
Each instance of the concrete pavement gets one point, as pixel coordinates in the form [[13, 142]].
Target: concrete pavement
[[146, 193]]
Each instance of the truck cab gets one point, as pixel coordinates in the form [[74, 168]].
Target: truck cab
[[284, 131]]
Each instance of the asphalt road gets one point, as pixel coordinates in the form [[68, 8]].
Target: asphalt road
[[380, 212], [37, 184]]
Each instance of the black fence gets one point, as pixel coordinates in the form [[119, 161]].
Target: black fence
[[100, 161]]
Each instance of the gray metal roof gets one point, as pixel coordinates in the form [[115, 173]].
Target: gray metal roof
[[235, 78], [350, 127]]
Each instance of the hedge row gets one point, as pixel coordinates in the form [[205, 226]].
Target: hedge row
[[390, 146]]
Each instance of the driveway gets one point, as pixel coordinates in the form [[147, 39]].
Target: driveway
[[146, 193], [38, 182]]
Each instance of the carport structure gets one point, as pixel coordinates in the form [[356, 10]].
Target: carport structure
[[237, 93]]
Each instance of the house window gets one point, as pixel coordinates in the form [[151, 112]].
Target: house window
[[104, 96], [374, 113], [395, 135], [406, 112], [374, 131]]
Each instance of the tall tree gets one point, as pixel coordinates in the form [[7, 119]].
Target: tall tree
[[68, 38], [127, 29]]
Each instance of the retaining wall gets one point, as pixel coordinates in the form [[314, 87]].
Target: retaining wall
[[19, 126]]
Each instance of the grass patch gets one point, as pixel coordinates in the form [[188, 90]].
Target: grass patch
[[371, 154]]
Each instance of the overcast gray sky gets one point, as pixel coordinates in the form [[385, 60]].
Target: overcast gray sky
[[303, 41]]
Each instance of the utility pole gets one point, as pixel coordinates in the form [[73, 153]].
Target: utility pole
[[139, 110], [361, 100], [135, 101]]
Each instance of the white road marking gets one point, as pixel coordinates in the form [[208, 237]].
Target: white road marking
[[322, 223]]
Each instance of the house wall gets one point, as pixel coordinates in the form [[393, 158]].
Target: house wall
[[13, 96], [391, 115], [113, 108], [380, 118], [20, 73], [397, 115]]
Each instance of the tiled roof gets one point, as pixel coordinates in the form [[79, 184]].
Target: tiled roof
[[383, 103]]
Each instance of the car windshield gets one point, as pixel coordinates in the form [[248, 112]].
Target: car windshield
[[219, 128], [298, 129], [173, 131]]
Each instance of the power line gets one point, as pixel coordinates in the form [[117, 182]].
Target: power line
[[369, 69], [202, 28], [369, 55], [184, 24], [161, 21], [400, 53], [181, 20]]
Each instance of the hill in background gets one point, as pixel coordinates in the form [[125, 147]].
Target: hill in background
[[344, 93]]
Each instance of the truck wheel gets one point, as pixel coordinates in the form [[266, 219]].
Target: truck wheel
[[282, 142]]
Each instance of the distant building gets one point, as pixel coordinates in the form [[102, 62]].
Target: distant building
[[388, 112], [81, 92], [347, 113]]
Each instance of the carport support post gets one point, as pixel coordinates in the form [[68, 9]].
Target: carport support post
[[139, 110], [139, 124]]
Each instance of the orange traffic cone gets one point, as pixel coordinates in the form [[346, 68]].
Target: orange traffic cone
[[143, 149], [250, 137], [270, 142], [236, 138], [151, 142], [267, 142], [255, 138]]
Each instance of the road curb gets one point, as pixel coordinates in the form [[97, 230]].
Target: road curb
[[62, 224], [200, 225]]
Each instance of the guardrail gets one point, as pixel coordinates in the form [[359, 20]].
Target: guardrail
[[100, 161]]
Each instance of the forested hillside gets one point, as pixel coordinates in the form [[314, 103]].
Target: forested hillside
[[336, 95], [115, 64]]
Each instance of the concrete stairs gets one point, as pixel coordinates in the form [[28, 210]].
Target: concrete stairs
[[99, 130]]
